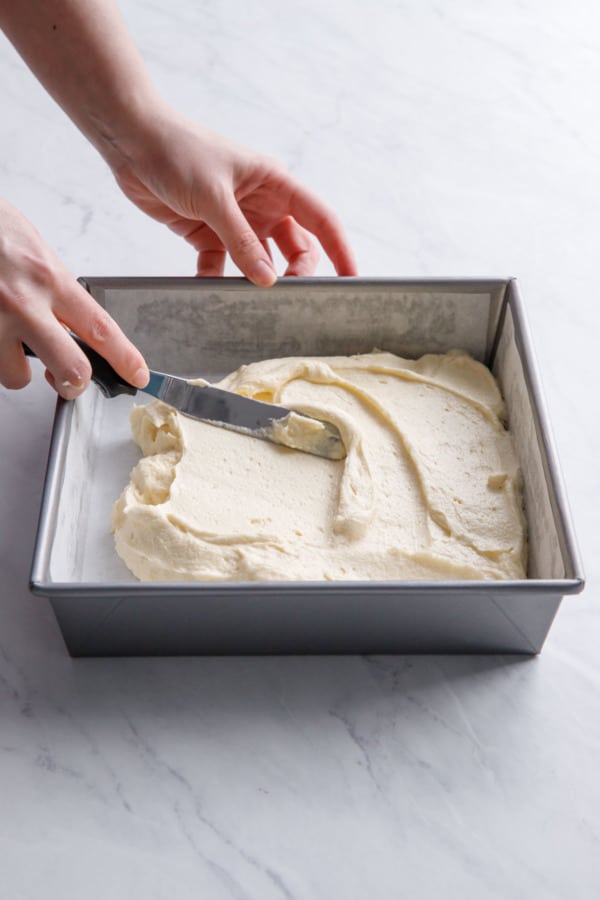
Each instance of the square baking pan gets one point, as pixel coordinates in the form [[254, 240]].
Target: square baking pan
[[209, 327]]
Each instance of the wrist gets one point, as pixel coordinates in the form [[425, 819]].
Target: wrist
[[122, 135]]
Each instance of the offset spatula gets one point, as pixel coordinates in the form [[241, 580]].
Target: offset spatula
[[217, 407]]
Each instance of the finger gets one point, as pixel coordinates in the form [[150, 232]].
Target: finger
[[53, 345], [50, 379], [314, 215], [211, 252], [57, 387], [211, 263], [15, 371], [80, 312], [243, 245], [297, 246], [33, 322], [266, 247]]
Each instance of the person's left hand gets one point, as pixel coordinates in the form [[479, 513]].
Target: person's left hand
[[225, 199]]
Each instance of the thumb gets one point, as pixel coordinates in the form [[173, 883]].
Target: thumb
[[243, 245]]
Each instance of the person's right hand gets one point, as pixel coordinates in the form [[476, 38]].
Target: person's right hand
[[39, 299]]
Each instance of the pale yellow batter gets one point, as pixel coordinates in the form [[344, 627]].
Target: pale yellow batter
[[429, 489]]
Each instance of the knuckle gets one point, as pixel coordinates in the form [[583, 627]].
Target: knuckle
[[100, 326], [245, 242], [14, 303], [276, 167], [43, 273]]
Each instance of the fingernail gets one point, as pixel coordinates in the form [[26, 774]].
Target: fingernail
[[141, 378], [263, 273], [76, 383], [70, 391]]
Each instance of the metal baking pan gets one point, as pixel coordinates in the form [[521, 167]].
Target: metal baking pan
[[209, 327]]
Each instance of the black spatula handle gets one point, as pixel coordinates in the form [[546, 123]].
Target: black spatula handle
[[103, 375]]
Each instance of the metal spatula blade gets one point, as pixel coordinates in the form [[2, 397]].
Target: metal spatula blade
[[224, 408]]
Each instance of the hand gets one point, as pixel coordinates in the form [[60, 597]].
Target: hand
[[38, 297], [225, 199]]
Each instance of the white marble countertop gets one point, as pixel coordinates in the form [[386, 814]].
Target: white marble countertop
[[453, 139]]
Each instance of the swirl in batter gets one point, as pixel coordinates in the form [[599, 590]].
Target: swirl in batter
[[430, 487]]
